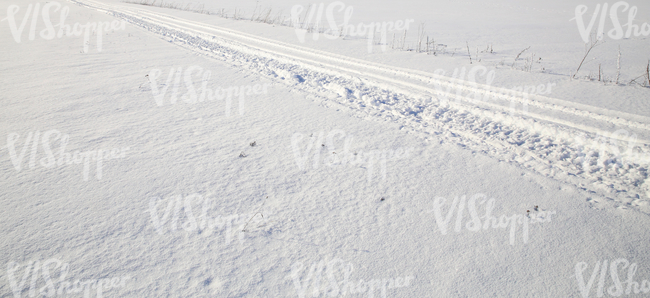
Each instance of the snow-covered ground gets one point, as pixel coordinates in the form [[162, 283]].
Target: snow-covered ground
[[184, 154]]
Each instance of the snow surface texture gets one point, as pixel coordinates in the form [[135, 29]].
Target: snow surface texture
[[559, 148], [265, 194]]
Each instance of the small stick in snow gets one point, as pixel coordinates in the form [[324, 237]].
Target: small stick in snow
[[146, 76], [260, 213], [618, 65], [590, 47], [515, 61]]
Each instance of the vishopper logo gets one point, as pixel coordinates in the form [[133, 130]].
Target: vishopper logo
[[475, 224], [50, 160], [203, 93], [331, 156], [476, 75], [524, 91], [50, 289], [172, 215], [338, 280], [618, 287], [617, 31], [49, 32], [304, 23], [478, 81]]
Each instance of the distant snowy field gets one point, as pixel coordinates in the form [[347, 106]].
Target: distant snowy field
[[148, 151]]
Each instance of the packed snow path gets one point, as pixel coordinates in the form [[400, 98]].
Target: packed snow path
[[566, 141]]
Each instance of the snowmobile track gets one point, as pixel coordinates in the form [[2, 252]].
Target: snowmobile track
[[556, 138]]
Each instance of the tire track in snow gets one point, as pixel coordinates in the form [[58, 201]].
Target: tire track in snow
[[564, 150], [317, 57]]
